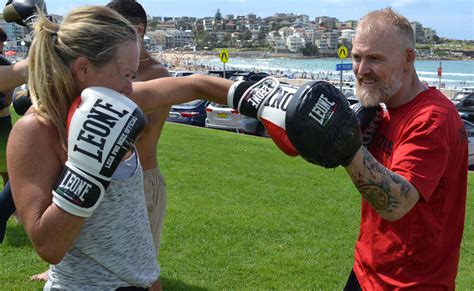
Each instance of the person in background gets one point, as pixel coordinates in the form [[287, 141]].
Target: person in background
[[148, 68], [10, 77], [6, 200], [413, 176], [5, 118]]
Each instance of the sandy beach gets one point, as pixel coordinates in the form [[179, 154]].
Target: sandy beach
[[182, 61], [192, 61]]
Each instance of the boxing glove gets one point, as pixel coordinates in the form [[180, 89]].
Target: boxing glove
[[321, 126], [265, 100], [102, 127], [4, 61], [21, 101], [369, 119], [23, 12]]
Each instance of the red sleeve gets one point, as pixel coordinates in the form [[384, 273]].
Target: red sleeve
[[422, 156]]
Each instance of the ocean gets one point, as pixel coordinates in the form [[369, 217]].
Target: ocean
[[455, 73]]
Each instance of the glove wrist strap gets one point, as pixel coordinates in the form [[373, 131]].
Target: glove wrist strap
[[78, 192]]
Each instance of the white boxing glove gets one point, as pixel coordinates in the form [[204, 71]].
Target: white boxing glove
[[103, 125], [265, 100]]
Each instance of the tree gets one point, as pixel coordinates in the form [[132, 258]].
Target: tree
[[436, 39], [227, 39], [199, 38], [310, 50], [246, 35], [261, 38]]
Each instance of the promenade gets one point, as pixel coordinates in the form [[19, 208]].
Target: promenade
[[189, 61]]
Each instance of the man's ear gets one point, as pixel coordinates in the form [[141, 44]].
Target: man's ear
[[410, 56], [81, 68]]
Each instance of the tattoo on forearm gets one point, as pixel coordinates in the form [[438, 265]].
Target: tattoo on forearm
[[376, 187], [379, 198]]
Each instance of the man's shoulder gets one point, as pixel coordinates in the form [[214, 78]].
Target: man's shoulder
[[152, 71]]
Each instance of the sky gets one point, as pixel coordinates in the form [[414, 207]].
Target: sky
[[449, 18]]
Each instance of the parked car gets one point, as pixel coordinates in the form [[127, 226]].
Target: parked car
[[248, 76], [181, 73], [220, 73], [223, 117], [464, 101], [193, 112], [470, 139]]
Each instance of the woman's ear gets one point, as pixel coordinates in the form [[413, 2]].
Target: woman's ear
[[81, 68]]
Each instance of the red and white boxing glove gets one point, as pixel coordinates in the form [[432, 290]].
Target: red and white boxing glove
[[265, 100], [103, 125]]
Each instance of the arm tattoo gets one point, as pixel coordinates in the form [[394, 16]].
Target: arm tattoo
[[376, 185]]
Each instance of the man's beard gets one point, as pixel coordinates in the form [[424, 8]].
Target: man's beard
[[378, 92]]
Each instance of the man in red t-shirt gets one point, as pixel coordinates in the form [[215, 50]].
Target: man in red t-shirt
[[413, 176]]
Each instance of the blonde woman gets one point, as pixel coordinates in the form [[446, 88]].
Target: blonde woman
[[111, 247]]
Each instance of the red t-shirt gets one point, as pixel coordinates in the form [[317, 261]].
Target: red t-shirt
[[425, 142]]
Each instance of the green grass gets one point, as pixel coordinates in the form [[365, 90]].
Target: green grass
[[242, 215]]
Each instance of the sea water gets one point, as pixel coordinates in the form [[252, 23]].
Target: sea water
[[455, 73]]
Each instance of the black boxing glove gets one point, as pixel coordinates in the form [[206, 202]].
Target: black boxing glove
[[4, 61], [369, 118], [23, 12], [21, 101], [321, 126]]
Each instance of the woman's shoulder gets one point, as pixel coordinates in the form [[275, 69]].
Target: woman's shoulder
[[31, 130], [32, 123]]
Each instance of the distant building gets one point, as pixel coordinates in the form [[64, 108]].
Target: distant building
[[329, 22], [208, 24], [170, 24], [418, 30], [179, 38], [303, 19], [294, 43], [157, 38], [16, 36], [251, 16], [428, 34], [286, 31], [346, 37]]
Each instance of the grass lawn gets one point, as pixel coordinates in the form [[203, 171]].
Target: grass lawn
[[242, 215]]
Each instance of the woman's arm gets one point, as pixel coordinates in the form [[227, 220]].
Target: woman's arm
[[391, 195], [14, 75], [154, 94], [35, 161]]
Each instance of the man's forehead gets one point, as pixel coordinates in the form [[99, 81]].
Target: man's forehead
[[376, 37]]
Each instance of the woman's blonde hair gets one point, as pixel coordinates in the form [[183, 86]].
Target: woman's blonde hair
[[93, 32]]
